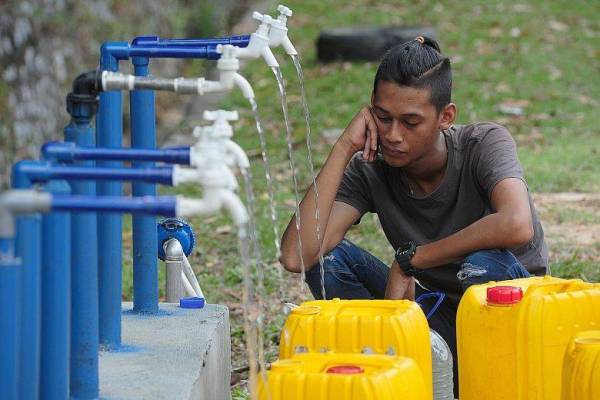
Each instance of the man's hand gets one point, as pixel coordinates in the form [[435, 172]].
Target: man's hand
[[399, 286], [361, 134]]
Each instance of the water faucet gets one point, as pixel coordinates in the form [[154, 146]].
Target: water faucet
[[222, 132], [212, 157], [278, 34], [228, 66], [259, 42]]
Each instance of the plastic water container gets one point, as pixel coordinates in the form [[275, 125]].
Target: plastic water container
[[441, 360], [581, 368], [343, 377], [389, 327], [512, 336]]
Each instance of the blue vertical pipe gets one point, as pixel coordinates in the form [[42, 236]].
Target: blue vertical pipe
[[143, 135], [56, 300], [83, 379], [10, 325], [109, 132], [28, 249]]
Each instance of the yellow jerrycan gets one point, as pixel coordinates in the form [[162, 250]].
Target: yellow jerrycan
[[581, 368], [331, 376], [512, 336], [389, 327]]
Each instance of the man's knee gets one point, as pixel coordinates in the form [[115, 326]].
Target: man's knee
[[489, 265]]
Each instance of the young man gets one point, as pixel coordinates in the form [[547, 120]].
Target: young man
[[452, 200]]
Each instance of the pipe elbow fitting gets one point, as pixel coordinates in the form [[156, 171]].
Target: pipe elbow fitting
[[173, 250]]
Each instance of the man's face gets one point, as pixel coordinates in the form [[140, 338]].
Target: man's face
[[407, 122]]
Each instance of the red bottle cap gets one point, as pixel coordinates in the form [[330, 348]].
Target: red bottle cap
[[504, 295], [345, 369]]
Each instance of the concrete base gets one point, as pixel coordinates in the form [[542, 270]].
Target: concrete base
[[178, 354]]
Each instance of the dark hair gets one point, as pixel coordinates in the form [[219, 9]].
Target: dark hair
[[419, 64]]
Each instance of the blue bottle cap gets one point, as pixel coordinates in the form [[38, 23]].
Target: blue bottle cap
[[191, 302]]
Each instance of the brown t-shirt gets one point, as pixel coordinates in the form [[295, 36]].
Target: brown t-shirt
[[479, 156]]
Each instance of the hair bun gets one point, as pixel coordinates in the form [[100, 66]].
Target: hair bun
[[427, 41]]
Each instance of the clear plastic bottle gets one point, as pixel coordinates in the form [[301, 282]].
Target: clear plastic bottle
[[441, 359]]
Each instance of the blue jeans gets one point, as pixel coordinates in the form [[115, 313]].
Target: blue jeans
[[353, 273]]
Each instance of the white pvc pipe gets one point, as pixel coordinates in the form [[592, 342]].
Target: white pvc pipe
[[189, 273], [187, 286]]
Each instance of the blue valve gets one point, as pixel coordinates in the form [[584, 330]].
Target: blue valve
[[175, 228]]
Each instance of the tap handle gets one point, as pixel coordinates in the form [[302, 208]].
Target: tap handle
[[220, 115], [284, 11], [262, 18], [226, 50]]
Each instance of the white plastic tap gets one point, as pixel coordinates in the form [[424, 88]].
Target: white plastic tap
[[228, 66], [278, 34], [259, 42], [214, 141]]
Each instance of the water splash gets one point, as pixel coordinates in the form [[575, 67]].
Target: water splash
[[296, 61], [289, 140]]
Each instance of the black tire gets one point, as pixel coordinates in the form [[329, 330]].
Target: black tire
[[364, 43]]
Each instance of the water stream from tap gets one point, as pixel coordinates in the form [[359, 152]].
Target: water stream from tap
[[260, 294], [297, 64], [270, 192], [250, 310], [290, 142]]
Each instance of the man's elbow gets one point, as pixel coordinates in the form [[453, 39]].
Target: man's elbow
[[293, 263], [290, 263], [520, 231]]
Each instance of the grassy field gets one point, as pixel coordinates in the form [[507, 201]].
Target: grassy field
[[542, 56]]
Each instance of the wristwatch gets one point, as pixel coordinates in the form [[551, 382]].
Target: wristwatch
[[404, 254]]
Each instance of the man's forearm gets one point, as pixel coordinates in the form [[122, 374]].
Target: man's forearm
[[399, 286], [328, 181], [493, 231]]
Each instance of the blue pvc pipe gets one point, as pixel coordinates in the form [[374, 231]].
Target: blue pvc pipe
[[43, 171], [28, 249], [162, 205], [68, 152], [83, 379], [143, 136], [154, 47], [56, 300], [10, 325], [109, 133]]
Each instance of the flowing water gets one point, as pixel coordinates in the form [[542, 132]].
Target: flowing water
[[260, 295], [250, 310], [270, 192], [296, 60], [290, 142]]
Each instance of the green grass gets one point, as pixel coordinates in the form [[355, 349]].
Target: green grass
[[543, 54]]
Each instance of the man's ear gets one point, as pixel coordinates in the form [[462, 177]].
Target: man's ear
[[372, 97], [447, 116]]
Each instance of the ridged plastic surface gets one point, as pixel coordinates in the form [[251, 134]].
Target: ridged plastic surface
[[390, 327], [581, 368], [305, 377], [516, 351]]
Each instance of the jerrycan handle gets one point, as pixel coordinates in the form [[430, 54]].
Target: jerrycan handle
[[554, 285]]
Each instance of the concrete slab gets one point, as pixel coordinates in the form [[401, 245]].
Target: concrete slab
[[178, 354]]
